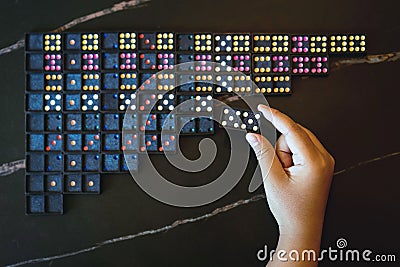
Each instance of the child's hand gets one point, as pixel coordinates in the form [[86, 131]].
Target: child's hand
[[296, 183]]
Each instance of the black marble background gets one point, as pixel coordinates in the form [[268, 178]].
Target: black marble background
[[354, 112]]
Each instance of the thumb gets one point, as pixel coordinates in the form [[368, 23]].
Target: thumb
[[271, 168]]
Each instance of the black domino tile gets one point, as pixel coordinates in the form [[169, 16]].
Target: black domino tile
[[80, 85], [240, 119]]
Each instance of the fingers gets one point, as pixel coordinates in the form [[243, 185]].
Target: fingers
[[271, 168], [283, 152], [297, 139]]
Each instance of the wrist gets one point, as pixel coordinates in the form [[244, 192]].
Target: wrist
[[305, 236]]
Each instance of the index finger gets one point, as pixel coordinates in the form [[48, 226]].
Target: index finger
[[297, 139]]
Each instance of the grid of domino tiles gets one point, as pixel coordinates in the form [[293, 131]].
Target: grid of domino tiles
[[79, 85]]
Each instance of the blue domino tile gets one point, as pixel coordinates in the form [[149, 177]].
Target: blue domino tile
[[185, 42], [54, 204], [130, 142], [111, 142], [34, 102], [110, 81], [34, 183], [147, 41], [167, 143], [109, 102], [54, 142], [73, 163], [35, 122], [129, 121], [53, 183], [53, 162], [147, 81], [34, 42], [111, 122], [91, 122], [35, 142], [187, 124], [91, 183], [72, 102], [35, 204], [186, 83], [205, 125], [148, 143], [53, 122], [73, 82], [91, 142], [35, 82], [130, 162], [111, 162], [72, 41], [34, 62], [91, 162], [110, 40], [166, 122], [110, 61], [35, 162], [73, 183], [148, 122], [72, 61], [73, 122], [73, 142]]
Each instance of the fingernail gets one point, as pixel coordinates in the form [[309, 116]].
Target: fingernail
[[252, 139], [260, 107]]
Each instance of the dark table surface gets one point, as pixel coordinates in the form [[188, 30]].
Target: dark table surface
[[354, 112]]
